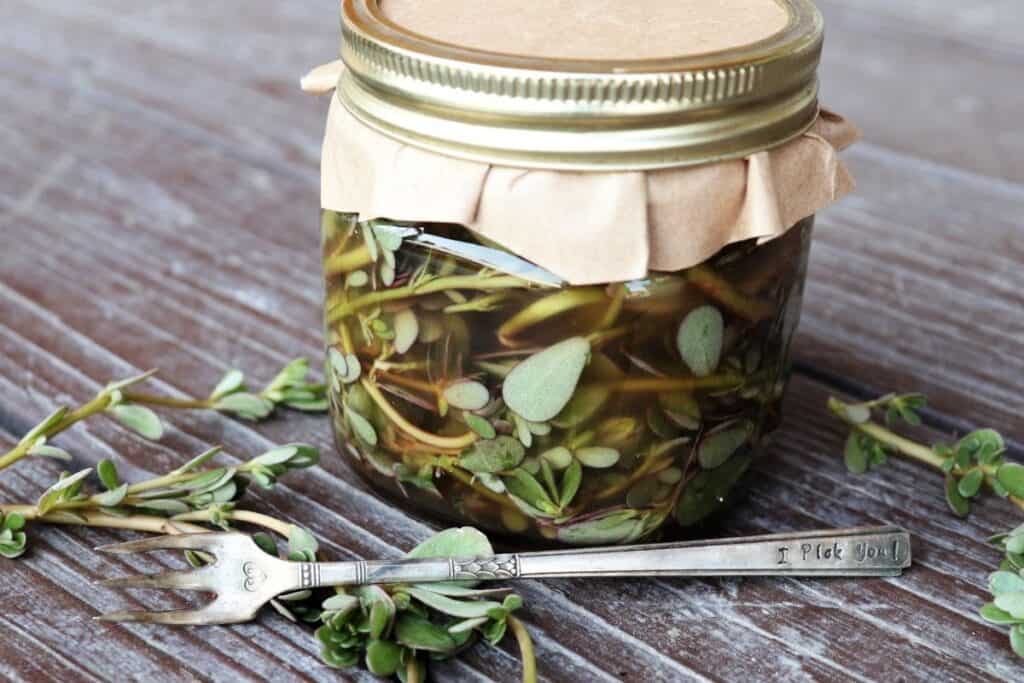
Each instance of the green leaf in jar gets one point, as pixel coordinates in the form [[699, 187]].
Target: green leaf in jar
[[708, 491], [479, 425], [357, 278], [597, 457], [642, 493], [467, 394], [362, 427], [571, 479], [699, 340], [718, 445], [613, 527], [525, 486], [588, 399], [682, 409], [558, 457], [523, 432], [492, 455], [542, 385], [371, 244], [388, 237], [407, 329]]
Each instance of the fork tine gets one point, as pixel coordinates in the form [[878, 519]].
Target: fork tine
[[182, 617], [168, 542], [188, 580]]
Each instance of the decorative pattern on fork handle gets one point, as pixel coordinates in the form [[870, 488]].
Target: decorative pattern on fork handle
[[501, 567], [309, 574]]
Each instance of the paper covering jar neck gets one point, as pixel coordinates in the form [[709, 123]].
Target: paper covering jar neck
[[383, 159]]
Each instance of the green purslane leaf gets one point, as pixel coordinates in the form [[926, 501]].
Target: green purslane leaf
[[465, 542], [232, 381], [1005, 582], [970, 483], [700, 338], [198, 461], [525, 486], [302, 545], [107, 472], [479, 425], [989, 612], [418, 633], [65, 489], [139, 419], [362, 427], [48, 423], [1011, 603], [597, 457], [464, 609], [112, 497], [42, 449], [383, 658], [957, 503], [1011, 477], [539, 388], [467, 394], [608, 528], [720, 444], [1017, 640], [491, 456], [245, 405], [856, 457]]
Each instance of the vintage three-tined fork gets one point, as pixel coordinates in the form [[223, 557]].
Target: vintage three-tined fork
[[244, 578]]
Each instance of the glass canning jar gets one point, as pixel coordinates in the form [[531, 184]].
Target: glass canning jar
[[475, 386], [465, 383]]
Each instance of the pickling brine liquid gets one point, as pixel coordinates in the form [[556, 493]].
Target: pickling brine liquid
[[482, 389]]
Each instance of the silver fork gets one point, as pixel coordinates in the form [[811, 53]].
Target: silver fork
[[244, 578]]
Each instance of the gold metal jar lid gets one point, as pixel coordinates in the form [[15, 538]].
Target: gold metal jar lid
[[580, 113]]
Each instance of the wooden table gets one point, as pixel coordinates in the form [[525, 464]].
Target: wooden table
[[158, 208]]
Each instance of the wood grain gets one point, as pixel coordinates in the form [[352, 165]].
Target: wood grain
[[158, 201]]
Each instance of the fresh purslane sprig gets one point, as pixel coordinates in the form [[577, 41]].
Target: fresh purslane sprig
[[395, 629], [973, 465], [389, 630], [290, 388], [189, 495]]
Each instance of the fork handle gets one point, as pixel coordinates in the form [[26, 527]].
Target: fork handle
[[865, 551]]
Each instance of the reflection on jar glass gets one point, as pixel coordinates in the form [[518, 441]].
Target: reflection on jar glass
[[482, 389]]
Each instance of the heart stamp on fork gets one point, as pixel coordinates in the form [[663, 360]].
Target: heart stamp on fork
[[254, 576]]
